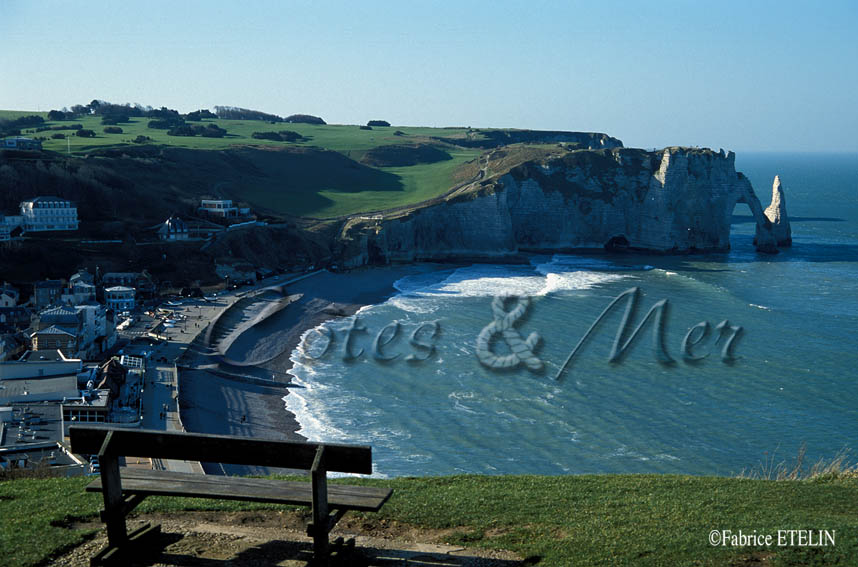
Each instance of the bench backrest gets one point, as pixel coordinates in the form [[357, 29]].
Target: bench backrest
[[88, 439]]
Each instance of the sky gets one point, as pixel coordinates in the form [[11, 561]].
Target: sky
[[741, 75]]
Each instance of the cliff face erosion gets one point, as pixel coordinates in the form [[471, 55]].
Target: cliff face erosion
[[670, 201]]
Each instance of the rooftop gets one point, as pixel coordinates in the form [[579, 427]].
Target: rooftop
[[42, 419], [54, 330], [45, 355], [47, 199], [34, 433], [118, 288], [27, 390], [94, 399], [60, 315]]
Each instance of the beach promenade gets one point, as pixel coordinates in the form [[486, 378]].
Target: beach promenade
[[215, 400], [197, 385]]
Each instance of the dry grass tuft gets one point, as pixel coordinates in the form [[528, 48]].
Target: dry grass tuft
[[771, 469]]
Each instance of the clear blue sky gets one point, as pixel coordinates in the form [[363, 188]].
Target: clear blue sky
[[743, 75]]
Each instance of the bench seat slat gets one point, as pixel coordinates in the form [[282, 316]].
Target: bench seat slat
[[168, 483], [87, 439]]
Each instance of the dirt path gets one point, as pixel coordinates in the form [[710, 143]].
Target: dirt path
[[239, 539]]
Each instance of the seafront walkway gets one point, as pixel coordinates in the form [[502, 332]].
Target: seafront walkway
[[161, 412]]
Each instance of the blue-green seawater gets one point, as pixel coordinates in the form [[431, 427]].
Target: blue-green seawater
[[793, 383]]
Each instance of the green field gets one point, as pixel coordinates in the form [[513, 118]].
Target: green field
[[347, 139], [634, 520], [298, 194]]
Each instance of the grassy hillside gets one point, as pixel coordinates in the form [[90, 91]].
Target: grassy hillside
[[635, 520], [341, 189]]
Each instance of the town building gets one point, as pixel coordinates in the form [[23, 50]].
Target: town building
[[5, 230], [64, 316], [13, 340], [119, 298], [14, 318], [38, 389], [47, 292], [45, 392], [77, 293], [36, 393], [31, 438], [55, 338], [48, 213], [9, 296], [12, 345], [141, 282], [84, 330], [82, 275], [21, 143], [120, 278], [90, 406], [98, 332], [58, 328], [223, 208], [35, 365], [173, 228], [8, 224]]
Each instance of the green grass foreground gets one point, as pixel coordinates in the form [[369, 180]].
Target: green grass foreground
[[559, 521]]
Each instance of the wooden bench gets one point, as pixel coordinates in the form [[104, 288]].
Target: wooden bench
[[124, 490]]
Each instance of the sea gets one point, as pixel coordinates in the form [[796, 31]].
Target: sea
[[712, 364]]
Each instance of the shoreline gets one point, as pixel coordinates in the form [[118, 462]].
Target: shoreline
[[250, 401]]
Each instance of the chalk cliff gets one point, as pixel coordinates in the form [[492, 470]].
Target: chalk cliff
[[776, 212], [670, 201]]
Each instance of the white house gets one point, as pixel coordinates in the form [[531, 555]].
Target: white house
[[9, 296], [21, 143], [98, 333], [219, 207], [173, 228], [119, 298], [49, 213]]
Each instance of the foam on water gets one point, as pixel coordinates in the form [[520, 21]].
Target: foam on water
[[303, 399], [540, 278], [324, 403], [791, 383]]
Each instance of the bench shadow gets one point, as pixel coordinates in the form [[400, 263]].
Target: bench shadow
[[300, 553]]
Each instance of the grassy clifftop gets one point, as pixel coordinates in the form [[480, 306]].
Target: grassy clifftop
[[319, 175], [322, 171], [554, 521]]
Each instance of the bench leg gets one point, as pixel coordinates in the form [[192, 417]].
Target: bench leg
[[320, 517], [114, 504]]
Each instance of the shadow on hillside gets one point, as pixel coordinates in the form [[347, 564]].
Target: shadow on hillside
[[293, 179]]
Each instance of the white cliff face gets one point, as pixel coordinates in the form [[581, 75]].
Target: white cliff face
[[678, 200], [776, 212]]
